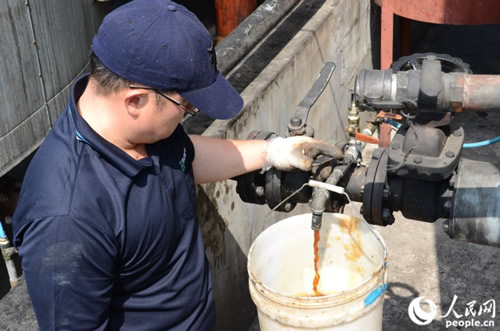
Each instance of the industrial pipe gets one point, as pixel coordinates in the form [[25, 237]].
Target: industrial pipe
[[480, 92], [475, 215], [320, 195], [431, 91], [7, 253]]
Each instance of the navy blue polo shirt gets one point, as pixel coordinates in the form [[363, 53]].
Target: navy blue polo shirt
[[109, 242]]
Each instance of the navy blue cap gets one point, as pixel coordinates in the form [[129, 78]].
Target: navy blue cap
[[161, 44]]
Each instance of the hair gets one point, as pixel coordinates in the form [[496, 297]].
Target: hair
[[109, 82]]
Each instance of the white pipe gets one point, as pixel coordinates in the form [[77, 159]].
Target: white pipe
[[7, 253], [11, 269]]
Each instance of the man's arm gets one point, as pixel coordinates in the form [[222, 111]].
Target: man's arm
[[217, 159]]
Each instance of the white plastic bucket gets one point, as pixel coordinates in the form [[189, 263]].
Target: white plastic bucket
[[352, 269]]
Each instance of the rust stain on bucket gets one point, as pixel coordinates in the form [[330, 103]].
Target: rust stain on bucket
[[348, 224], [353, 250]]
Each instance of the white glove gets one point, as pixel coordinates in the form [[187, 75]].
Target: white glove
[[297, 152]]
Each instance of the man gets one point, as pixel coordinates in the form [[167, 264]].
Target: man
[[106, 225]]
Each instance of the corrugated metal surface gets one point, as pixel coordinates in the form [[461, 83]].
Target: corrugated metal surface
[[45, 45]]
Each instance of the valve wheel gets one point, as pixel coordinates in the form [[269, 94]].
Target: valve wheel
[[414, 62]]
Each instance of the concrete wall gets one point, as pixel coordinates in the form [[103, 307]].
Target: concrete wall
[[338, 32]]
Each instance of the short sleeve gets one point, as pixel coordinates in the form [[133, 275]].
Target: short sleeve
[[69, 266]]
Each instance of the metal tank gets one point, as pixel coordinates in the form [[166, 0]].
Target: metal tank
[[44, 47]]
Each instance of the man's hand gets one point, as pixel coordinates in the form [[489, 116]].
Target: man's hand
[[297, 152]]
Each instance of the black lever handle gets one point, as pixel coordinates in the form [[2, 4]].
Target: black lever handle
[[298, 121]]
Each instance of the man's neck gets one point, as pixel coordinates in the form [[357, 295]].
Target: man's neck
[[100, 113]]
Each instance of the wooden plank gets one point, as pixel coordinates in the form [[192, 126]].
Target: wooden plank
[[58, 104], [64, 31], [45, 46], [23, 140], [20, 86]]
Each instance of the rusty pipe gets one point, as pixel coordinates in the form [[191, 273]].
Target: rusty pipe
[[477, 92], [444, 92]]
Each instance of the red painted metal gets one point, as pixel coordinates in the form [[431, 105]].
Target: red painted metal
[[454, 12], [384, 135], [365, 138], [392, 116], [230, 13]]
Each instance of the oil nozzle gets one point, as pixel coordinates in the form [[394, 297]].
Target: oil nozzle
[[319, 197], [316, 221], [321, 194]]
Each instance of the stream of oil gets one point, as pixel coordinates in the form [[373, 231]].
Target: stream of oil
[[316, 261]]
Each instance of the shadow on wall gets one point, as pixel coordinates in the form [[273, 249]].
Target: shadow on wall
[[228, 263]]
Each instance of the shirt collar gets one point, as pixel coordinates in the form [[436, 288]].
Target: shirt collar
[[85, 134]]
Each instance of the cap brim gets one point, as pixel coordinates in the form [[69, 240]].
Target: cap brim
[[219, 100]]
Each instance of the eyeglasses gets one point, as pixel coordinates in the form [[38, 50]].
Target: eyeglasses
[[190, 109]]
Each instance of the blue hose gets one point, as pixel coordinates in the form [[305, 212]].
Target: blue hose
[[393, 123], [2, 232], [482, 143]]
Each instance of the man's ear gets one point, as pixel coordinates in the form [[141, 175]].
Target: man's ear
[[135, 100]]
